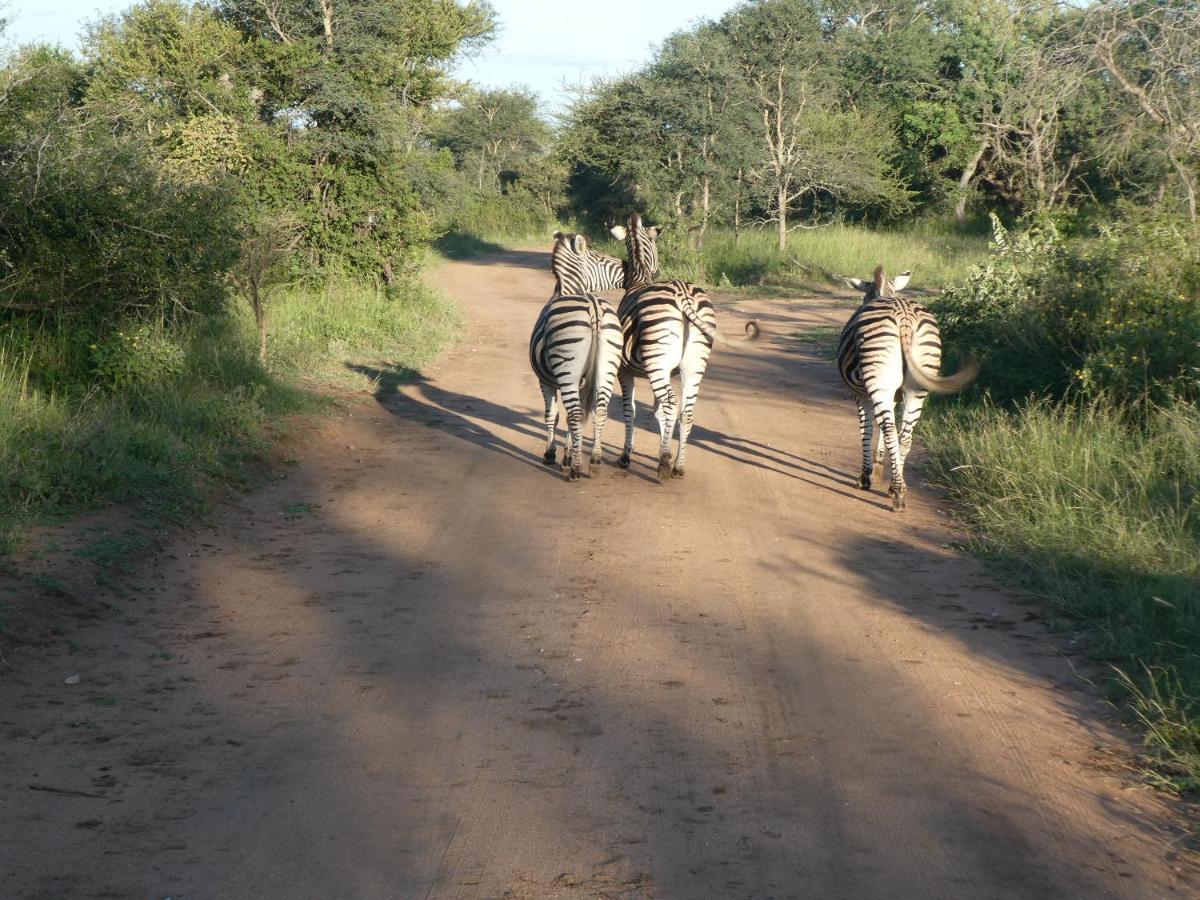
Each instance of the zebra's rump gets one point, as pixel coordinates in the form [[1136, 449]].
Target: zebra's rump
[[564, 334], [660, 321], [872, 341]]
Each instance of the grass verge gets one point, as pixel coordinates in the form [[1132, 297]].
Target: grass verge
[[1100, 515], [156, 435]]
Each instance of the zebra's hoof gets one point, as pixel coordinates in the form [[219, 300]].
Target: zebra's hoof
[[623, 462], [574, 474], [899, 500], [664, 469], [677, 472], [593, 467], [549, 458], [864, 481]]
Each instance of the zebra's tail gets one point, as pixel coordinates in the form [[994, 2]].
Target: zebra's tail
[[936, 384], [752, 330], [589, 384], [689, 310]]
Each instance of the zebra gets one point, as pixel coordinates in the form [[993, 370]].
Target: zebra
[[575, 350], [578, 269], [666, 327], [889, 347]]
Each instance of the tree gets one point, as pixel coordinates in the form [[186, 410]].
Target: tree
[[495, 136], [1151, 52], [266, 246], [809, 145], [348, 87]]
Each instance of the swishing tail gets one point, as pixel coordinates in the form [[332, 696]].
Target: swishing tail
[[752, 331], [937, 384], [591, 367], [689, 310]]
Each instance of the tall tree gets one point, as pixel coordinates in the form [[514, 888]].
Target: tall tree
[[1151, 52], [810, 145]]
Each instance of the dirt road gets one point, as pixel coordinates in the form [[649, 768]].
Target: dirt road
[[422, 664]]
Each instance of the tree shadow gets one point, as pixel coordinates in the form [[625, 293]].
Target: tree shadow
[[463, 245]]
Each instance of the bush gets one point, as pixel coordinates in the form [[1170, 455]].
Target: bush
[[1116, 314]]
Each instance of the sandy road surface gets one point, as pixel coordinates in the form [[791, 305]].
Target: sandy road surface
[[423, 665]]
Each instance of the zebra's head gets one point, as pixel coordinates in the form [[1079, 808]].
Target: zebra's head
[[878, 285], [643, 252]]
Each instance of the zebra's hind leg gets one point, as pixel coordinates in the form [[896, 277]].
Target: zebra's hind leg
[[625, 377], [865, 414], [550, 396], [606, 369], [573, 468], [911, 414], [885, 418], [689, 387], [600, 418], [666, 411]]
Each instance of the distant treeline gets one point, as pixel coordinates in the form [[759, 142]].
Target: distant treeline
[[799, 111]]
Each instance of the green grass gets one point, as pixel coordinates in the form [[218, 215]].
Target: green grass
[[159, 436], [821, 340], [490, 224], [936, 252], [934, 255], [1100, 515], [318, 332]]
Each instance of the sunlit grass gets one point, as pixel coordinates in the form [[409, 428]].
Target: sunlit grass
[[70, 442], [1100, 515], [936, 252]]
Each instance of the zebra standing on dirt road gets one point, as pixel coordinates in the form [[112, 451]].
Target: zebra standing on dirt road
[[575, 350], [666, 327], [578, 269], [891, 345]]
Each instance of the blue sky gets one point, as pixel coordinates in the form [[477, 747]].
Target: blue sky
[[542, 43]]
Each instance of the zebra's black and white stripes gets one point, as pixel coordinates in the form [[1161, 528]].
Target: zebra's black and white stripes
[[578, 269], [891, 345], [666, 327], [575, 350]]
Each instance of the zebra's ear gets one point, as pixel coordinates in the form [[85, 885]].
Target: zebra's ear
[[618, 231], [655, 231], [900, 282], [558, 235], [579, 243], [856, 283]]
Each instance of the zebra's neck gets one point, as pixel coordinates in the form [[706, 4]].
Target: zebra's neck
[[637, 273]]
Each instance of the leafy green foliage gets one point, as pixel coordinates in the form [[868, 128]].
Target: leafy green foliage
[[1116, 315]]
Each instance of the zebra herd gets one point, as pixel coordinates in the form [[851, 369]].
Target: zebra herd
[[890, 349]]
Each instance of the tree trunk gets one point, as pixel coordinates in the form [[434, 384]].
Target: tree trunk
[[705, 202], [781, 201], [327, 18], [1189, 186], [964, 182], [737, 212], [260, 320]]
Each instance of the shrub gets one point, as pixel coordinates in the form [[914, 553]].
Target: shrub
[[1115, 314]]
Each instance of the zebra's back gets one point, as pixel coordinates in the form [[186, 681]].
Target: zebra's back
[[872, 342], [578, 269], [662, 321], [563, 335]]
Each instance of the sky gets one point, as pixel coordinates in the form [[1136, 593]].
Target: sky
[[542, 44]]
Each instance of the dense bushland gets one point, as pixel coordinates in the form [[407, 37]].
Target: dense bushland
[[208, 201]]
